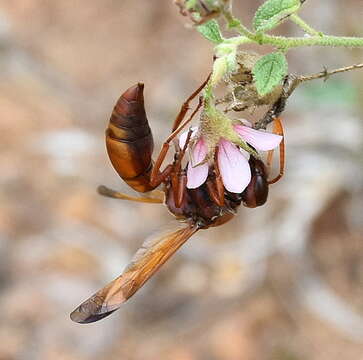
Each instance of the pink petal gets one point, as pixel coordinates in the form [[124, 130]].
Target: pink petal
[[260, 140], [197, 175], [184, 135], [234, 167]]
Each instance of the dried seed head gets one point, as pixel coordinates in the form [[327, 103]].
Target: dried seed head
[[242, 93]]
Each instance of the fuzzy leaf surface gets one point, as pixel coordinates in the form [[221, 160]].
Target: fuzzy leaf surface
[[211, 31], [272, 12], [269, 71]]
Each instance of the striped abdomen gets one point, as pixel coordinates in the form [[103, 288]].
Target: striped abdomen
[[129, 140]]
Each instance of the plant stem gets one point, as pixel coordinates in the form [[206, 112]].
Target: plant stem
[[291, 42], [238, 40], [325, 40], [307, 28], [234, 23], [289, 86], [325, 74]]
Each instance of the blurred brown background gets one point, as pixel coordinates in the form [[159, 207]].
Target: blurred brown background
[[283, 282]]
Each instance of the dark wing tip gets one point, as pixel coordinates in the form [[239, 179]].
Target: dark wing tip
[[92, 310], [82, 317]]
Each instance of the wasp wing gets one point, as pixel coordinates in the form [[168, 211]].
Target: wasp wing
[[153, 253]]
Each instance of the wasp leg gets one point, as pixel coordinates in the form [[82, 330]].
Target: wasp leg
[[105, 191], [216, 188], [156, 177], [179, 183], [178, 176], [277, 129], [219, 184], [212, 191], [185, 107]]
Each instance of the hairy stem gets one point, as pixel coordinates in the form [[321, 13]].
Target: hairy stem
[[325, 74], [290, 42], [317, 39], [234, 23]]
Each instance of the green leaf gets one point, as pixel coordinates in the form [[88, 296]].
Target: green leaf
[[272, 12], [269, 71], [210, 30]]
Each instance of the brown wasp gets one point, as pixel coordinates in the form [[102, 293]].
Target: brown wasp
[[129, 144]]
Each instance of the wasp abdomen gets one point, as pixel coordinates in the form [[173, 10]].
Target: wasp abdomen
[[129, 139]]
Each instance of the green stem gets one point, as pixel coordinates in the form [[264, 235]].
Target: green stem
[[307, 28], [291, 42], [234, 23], [238, 40], [326, 40]]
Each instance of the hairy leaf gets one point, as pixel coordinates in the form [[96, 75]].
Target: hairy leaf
[[272, 12], [269, 71], [210, 30]]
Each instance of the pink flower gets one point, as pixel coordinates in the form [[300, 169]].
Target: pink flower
[[232, 160]]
